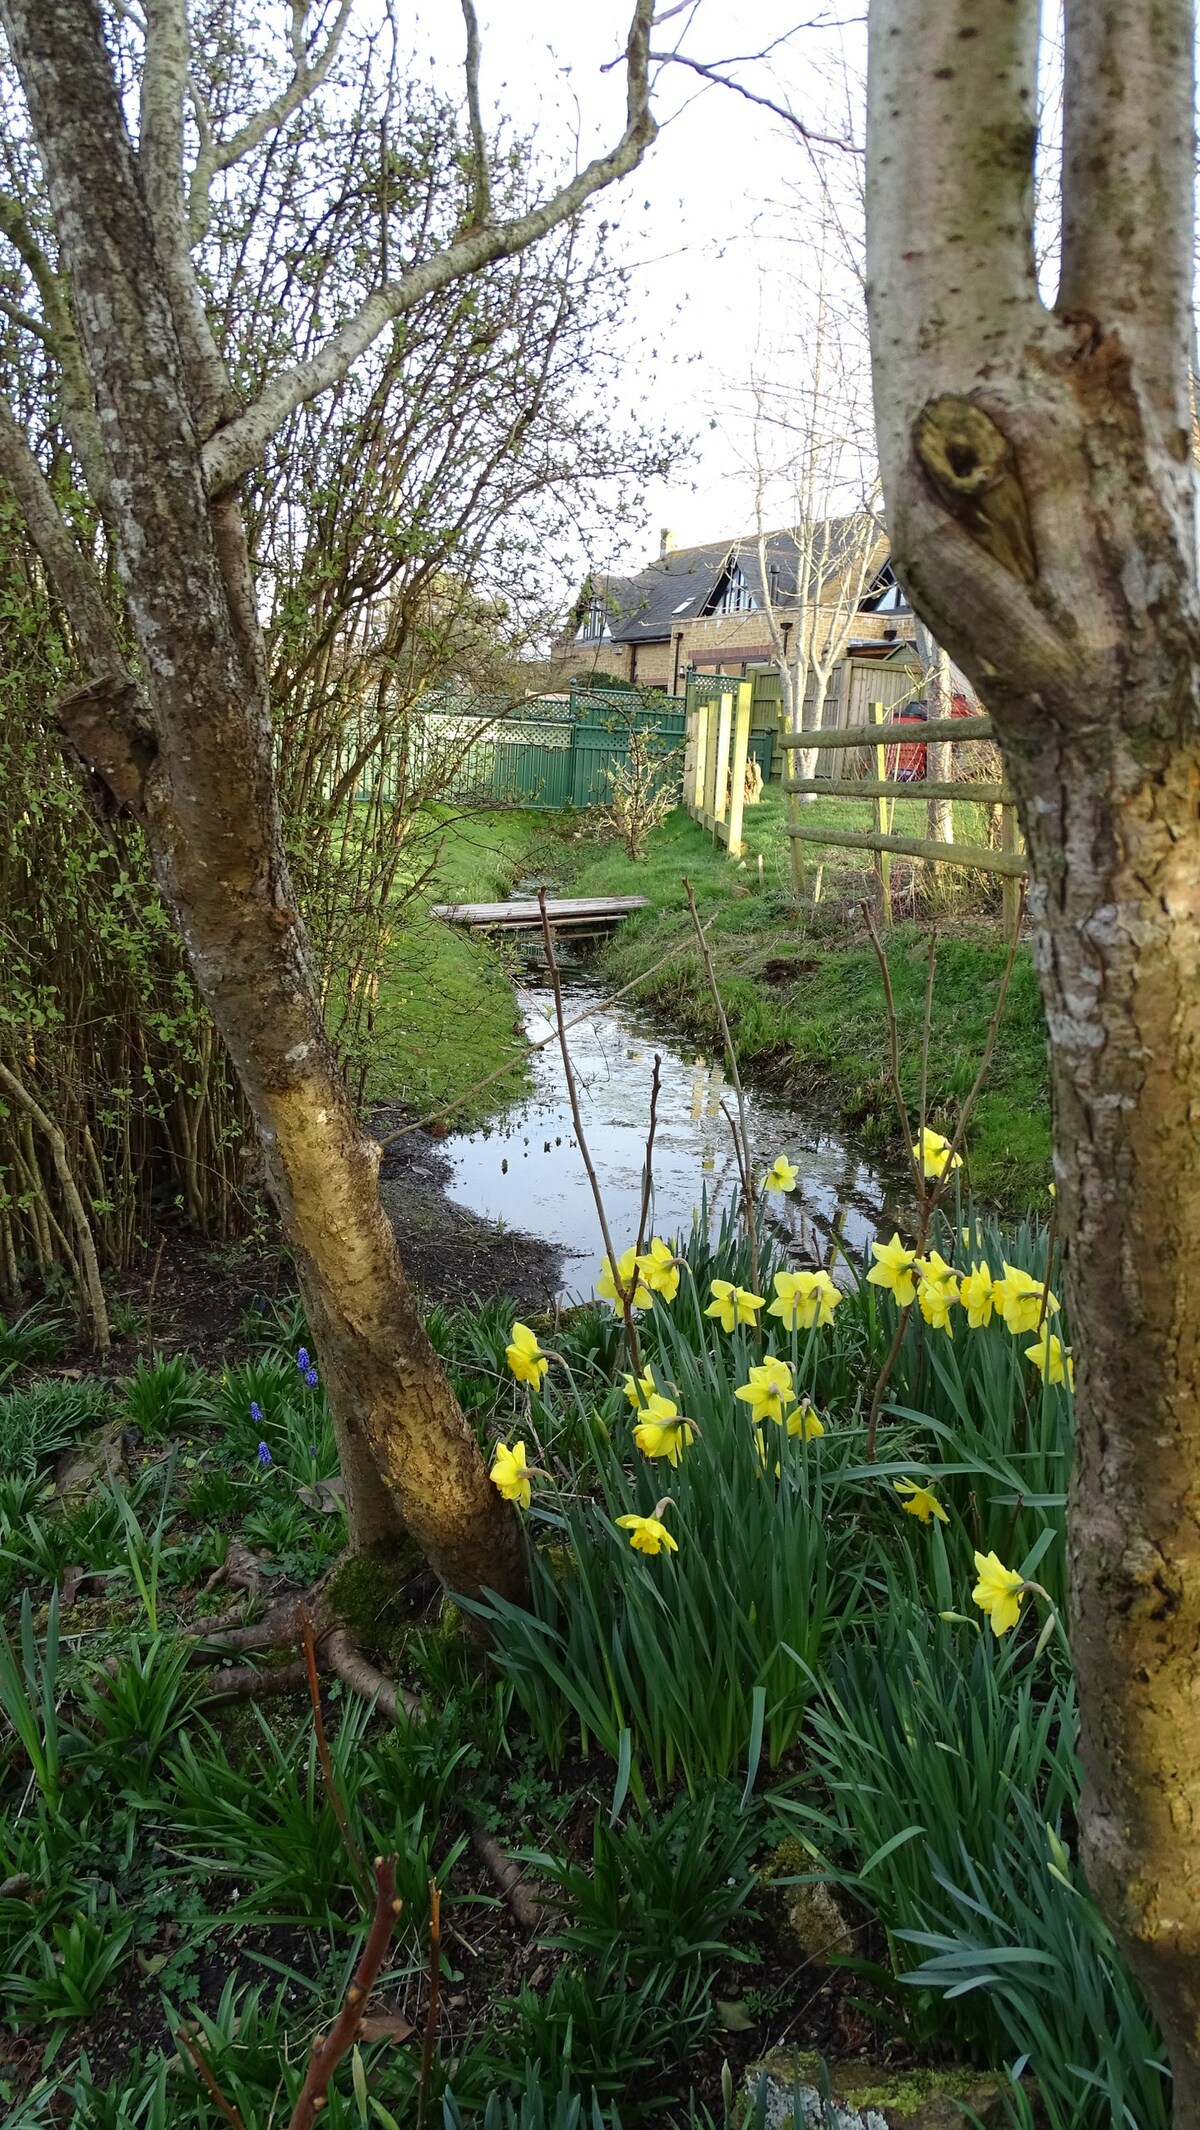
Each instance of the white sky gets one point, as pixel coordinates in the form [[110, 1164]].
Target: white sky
[[702, 219]]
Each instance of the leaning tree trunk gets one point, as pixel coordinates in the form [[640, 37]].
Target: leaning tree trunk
[[188, 746], [1041, 506]]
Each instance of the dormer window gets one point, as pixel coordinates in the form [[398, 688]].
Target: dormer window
[[733, 595], [885, 595], [593, 622]]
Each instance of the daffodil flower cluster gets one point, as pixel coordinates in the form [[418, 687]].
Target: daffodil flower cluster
[[655, 1272], [1021, 1302]]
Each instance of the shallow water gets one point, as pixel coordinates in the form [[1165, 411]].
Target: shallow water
[[526, 1169]]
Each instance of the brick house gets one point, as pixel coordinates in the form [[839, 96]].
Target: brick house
[[705, 607]]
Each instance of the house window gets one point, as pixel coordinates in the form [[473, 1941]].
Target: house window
[[733, 595], [593, 623], [885, 595]]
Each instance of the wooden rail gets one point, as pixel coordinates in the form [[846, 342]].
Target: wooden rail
[[1008, 864], [913, 734], [894, 788], [976, 857]]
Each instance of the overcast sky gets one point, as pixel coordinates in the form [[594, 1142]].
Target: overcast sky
[[704, 217]]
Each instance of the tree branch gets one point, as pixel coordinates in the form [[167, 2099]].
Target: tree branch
[[726, 81], [1130, 265], [216, 156], [78, 412], [106, 721], [234, 449], [481, 210], [165, 76]]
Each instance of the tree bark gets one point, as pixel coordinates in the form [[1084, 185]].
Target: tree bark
[[1040, 497], [189, 746]]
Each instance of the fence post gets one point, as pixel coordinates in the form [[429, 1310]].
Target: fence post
[[737, 767], [882, 824], [698, 709], [1011, 889], [720, 805]]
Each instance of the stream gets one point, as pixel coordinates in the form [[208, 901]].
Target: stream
[[525, 1169]]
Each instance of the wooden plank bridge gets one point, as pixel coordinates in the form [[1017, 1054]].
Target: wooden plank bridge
[[571, 913]]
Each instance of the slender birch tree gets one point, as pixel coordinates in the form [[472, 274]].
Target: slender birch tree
[[1041, 498], [172, 709]]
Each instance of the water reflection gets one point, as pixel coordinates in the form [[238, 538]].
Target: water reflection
[[526, 1170]]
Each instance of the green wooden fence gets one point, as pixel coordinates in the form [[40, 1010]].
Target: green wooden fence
[[545, 752]]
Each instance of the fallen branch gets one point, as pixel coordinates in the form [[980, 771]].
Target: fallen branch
[[336, 1801]]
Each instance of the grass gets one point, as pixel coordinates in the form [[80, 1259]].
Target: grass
[[446, 1014], [819, 1032]]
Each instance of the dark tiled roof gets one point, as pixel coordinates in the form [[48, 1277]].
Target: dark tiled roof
[[681, 585]]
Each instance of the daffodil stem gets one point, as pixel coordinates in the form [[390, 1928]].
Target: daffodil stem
[[648, 1169], [1051, 1231], [883, 1380], [626, 1295]]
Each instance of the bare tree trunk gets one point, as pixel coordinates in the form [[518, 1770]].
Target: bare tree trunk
[[188, 746], [1040, 491]]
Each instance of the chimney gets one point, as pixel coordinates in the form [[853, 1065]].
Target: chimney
[[666, 543]]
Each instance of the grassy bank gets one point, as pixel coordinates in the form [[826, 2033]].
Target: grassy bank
[[446, 1014], [804, 995]]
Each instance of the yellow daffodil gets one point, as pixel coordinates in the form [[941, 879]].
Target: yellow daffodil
[[647, 1534], [1050, 1355], [932, 1151], [920, 1503], [803, 1299], [1018, 1297], [525, 1357], [659, 1270], [782, 1174], [976, 1292], [630, 1278], [998, 1592], [937, 1294], [768, 1391], [662, 1431], [893, 1269], [733, 1305], [639, 1390], [508, 1473], [805, 1421]]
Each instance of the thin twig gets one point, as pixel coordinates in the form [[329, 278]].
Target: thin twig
[[928, 1201], [648, 1170], [158, 1258], [337, 1803], [626, 1296], [329, 2049], [435, 1992], [747, 1163], [219, 2100], [926, 1026], [894, 1047]]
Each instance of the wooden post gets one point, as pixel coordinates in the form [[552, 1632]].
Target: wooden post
[[1011, 888], [879, 808], [720, 805], [698, 709], [741, 710]]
